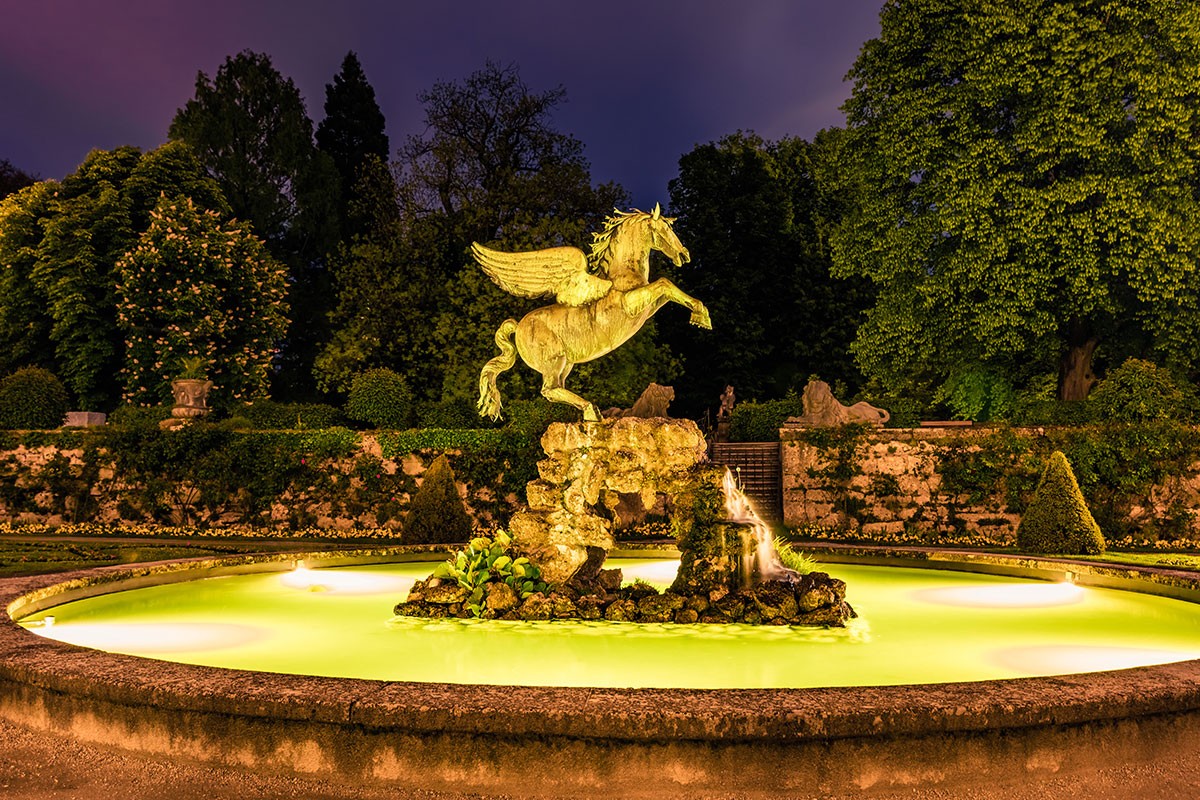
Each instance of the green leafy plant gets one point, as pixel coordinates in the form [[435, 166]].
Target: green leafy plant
[[794, 559], [760, 422], [271, 415], [490, 560], [32, 398], [198, 297], [978, 394], [193, 368]]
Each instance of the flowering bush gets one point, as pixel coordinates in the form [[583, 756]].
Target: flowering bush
[[194, 287]]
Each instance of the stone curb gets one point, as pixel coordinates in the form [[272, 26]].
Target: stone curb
[[59, 687]]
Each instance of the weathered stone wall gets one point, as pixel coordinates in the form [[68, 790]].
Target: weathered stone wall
[[890, 484], [84, 492]]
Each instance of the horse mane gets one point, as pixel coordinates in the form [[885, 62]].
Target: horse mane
[[602, 241]]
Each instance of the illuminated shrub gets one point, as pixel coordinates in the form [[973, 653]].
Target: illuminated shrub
[[32, 399], [1138, 391], [436, 514], [382, 399], [1058, 520]]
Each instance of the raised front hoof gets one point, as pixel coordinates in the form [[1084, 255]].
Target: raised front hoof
[[701, 319]]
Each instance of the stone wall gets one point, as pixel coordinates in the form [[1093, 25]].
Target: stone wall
[[52, 485], [891, 484]]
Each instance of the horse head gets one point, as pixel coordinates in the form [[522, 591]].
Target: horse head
[[663, 238]]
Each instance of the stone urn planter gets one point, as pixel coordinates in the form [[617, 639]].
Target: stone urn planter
[[191, 400]]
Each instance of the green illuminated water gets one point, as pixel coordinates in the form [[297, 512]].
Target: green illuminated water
[[915, 626]]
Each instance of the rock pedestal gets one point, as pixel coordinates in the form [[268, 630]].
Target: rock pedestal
[[597, 464], [591, 470]]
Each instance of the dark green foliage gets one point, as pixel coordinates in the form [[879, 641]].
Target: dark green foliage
[[840, 449], [271, 415], [32, 398], [133, 416], [12, 180], [201, 472], [760, 422], [250, 130], [1002, 463], [749, 212], [1138, 391], [492, 168], [436, 514], [382, 399], [455, 413], [533, 417], [1058, 520], [502, 460], [978, 394], [353, 128], [60, 244]]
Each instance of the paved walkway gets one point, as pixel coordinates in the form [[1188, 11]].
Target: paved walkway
[[36, 766]]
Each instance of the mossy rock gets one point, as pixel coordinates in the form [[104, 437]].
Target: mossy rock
[[1058, 519]]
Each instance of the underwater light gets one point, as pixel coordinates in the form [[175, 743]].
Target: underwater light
[[154, 638], [345, 581], [1063, 659], [1005, 595]]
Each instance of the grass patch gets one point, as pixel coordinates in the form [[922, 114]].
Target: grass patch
[[1188, 561], [39, 558]]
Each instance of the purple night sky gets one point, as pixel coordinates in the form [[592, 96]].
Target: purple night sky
[[645, 81]]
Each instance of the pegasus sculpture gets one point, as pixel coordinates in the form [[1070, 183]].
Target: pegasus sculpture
[[594, 313]]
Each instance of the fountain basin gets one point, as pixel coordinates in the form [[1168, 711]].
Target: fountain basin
[[573, 741]]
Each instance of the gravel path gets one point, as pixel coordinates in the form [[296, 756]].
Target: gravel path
[[36, 766]]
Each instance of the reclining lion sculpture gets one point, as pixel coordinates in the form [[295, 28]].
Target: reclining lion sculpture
[[822, 409]]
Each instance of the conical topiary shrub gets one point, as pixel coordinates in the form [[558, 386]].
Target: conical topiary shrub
[[1058, 520], [436, 514]]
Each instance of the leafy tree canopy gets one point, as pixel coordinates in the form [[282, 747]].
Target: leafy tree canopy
[[1023, 178], [492, 168], [59, 244], [197, 287]]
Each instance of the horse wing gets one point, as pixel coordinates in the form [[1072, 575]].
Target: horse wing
[[560, 271]]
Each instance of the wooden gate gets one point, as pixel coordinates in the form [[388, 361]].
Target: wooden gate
[[757, 466]]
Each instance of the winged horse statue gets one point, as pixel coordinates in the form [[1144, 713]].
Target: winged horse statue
[[594, 314]]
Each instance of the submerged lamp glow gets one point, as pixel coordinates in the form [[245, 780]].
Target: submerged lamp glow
[[1005, 595]]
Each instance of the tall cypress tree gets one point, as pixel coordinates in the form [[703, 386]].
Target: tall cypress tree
[[353, 127]]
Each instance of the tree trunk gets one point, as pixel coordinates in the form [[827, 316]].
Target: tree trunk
[[1075, 376]]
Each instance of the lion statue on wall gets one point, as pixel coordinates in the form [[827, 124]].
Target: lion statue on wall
[[822, 409]]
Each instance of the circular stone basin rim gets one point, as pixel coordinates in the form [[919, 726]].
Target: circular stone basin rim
[[618, 714]]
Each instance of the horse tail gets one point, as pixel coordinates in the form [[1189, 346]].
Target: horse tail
[[489, 393]]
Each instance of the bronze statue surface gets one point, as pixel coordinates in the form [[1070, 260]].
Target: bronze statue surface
[[601, 301]]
